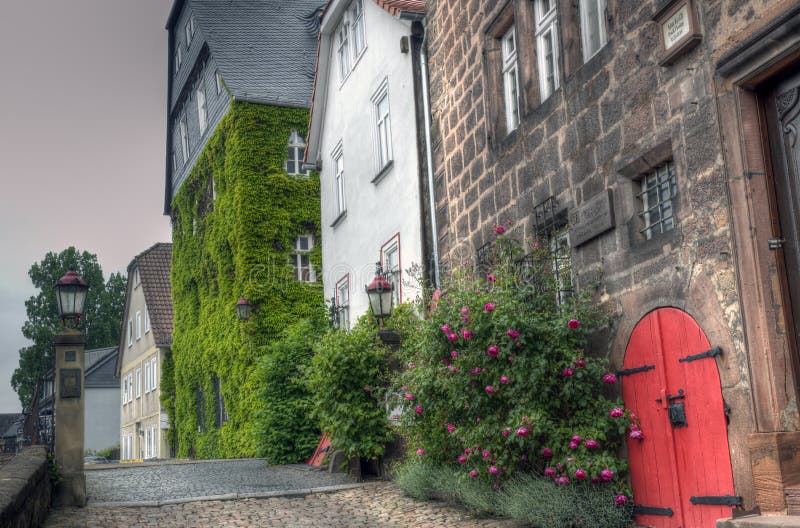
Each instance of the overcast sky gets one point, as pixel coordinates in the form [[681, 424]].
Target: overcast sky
[[82, 124]]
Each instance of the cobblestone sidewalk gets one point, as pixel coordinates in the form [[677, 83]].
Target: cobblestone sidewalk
[[374, 505]]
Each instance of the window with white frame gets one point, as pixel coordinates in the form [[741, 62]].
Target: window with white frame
[[153, 373], [138, 325], [383, 126], [343, 303], [202, 110], [593, 27], [130, 386], [218, 82], [338, 167], [658, 188], [146, 320], [130, 332], [146, 377], [350, 37], [391, 266], [137, 280], [547, 46], [510, 78], [301, 259], [138, 382], [189, 31], [184, 129], [294, 162]]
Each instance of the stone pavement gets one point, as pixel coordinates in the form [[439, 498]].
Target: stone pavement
[[153, 482], [373, 505]]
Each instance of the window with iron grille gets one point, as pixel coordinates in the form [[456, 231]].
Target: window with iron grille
[[658, 188], [552, 232]]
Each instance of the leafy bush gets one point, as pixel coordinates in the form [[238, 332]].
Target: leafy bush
[[498, 381], [348, 377], [285, 431]]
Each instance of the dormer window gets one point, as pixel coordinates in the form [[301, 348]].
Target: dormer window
[[350, 38], [297, 145], [189, 31], [178, 57]]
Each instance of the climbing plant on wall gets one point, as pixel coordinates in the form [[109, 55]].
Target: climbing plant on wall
[[231, 238]]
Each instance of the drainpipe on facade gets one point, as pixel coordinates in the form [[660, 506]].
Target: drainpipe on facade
[[426, 104]]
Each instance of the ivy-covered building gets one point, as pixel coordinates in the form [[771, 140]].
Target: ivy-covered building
[[245, 213]]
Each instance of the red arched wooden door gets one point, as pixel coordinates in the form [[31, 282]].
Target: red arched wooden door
[[681, 471]]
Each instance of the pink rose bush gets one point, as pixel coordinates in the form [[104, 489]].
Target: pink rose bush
[[546, 411]]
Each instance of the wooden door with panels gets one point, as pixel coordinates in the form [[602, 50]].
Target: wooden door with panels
[[680, 471]]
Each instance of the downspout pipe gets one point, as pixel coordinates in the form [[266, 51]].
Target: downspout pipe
[[426, 103]]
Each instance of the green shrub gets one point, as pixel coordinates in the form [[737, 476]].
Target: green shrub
[[500, 382], [348, 377], [285, 428]]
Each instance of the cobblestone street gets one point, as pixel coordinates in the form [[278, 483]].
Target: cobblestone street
[[376, 504]]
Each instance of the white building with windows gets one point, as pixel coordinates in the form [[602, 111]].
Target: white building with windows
[[145, 343], [365, 141]]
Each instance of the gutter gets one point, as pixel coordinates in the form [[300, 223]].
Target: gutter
[[426, 103]]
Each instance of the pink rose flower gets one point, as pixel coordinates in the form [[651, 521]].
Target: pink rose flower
[[636, 434], [452, 337], [418, 409], [506, 431], [549, 472], [567, 372], [454, 354], [467, 451], [493, 470], [445, 329], [473, 473], [451, 428], [574, 324], [523, 431], [489, 389], [462, 459], [610, 379], [467, 334], [580, 363], [499, 230], [616, 412], [504, 380], [464, 310], [547, 452], [576, 438], [591, 444], [513, 334], [620, 499], [607, 475], [493, 351], [420, 452], [477, 420], [409, 396], [486, 453], [491, 278], [580, 474], [488, 307], [562, 480], [573, 445], [476, 370]]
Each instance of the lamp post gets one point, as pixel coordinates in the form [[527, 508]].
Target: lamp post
[[71, 292], [381, 299]]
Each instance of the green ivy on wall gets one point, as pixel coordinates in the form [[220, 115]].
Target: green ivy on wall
[[235, 244]]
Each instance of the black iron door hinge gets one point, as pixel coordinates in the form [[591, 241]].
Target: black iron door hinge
[[716, 351], [719, 500], [628, 372], [652, 510]]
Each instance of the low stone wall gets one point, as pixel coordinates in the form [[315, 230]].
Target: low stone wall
[[25, 489]]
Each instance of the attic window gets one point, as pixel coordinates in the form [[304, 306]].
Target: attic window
[[136, 278], [294, 163], [218, 81], [350, 38], [189, 30]]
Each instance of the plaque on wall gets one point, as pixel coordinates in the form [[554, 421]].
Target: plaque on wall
[[69, 355], [678, 30], [592, 219], [70, 383]]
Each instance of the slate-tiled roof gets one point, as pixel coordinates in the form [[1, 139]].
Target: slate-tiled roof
[[99, 368], [264, 49], [154, 269], [6, 423]]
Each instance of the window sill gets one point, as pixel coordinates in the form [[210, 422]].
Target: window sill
[[383, 172], [339, 219]]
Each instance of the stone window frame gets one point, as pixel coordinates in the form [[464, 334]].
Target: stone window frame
[[663, 199], [509, 67]]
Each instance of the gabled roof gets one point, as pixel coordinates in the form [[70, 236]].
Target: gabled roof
[[154, 265], [7, 421], [99, 367], [264, 49]]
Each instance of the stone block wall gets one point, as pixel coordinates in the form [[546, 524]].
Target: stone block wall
[[612, 117], [25, 489]]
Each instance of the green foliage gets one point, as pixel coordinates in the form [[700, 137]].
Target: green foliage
[[100, 323], [348, 378], [236, 245], [500, 383], [524, 497], [286, 430]]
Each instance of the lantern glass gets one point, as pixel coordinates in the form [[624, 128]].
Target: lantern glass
[[243, 309], [380, 297], [71, 292]]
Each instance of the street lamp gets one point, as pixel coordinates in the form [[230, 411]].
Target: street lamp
[[70, 297], [380, 295], [243, 309]]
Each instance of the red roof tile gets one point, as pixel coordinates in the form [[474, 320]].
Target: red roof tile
[[154, 271]]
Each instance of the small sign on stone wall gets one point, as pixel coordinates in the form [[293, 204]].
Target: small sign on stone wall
[[70, 383], [593, 218], [678, 29]]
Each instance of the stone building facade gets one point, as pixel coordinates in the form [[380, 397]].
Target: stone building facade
[[603, 113]]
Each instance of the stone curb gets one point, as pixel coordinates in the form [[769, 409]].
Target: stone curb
[[166, 462], [229, 496]]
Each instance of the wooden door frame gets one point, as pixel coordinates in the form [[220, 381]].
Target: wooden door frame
[[770, 358]]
